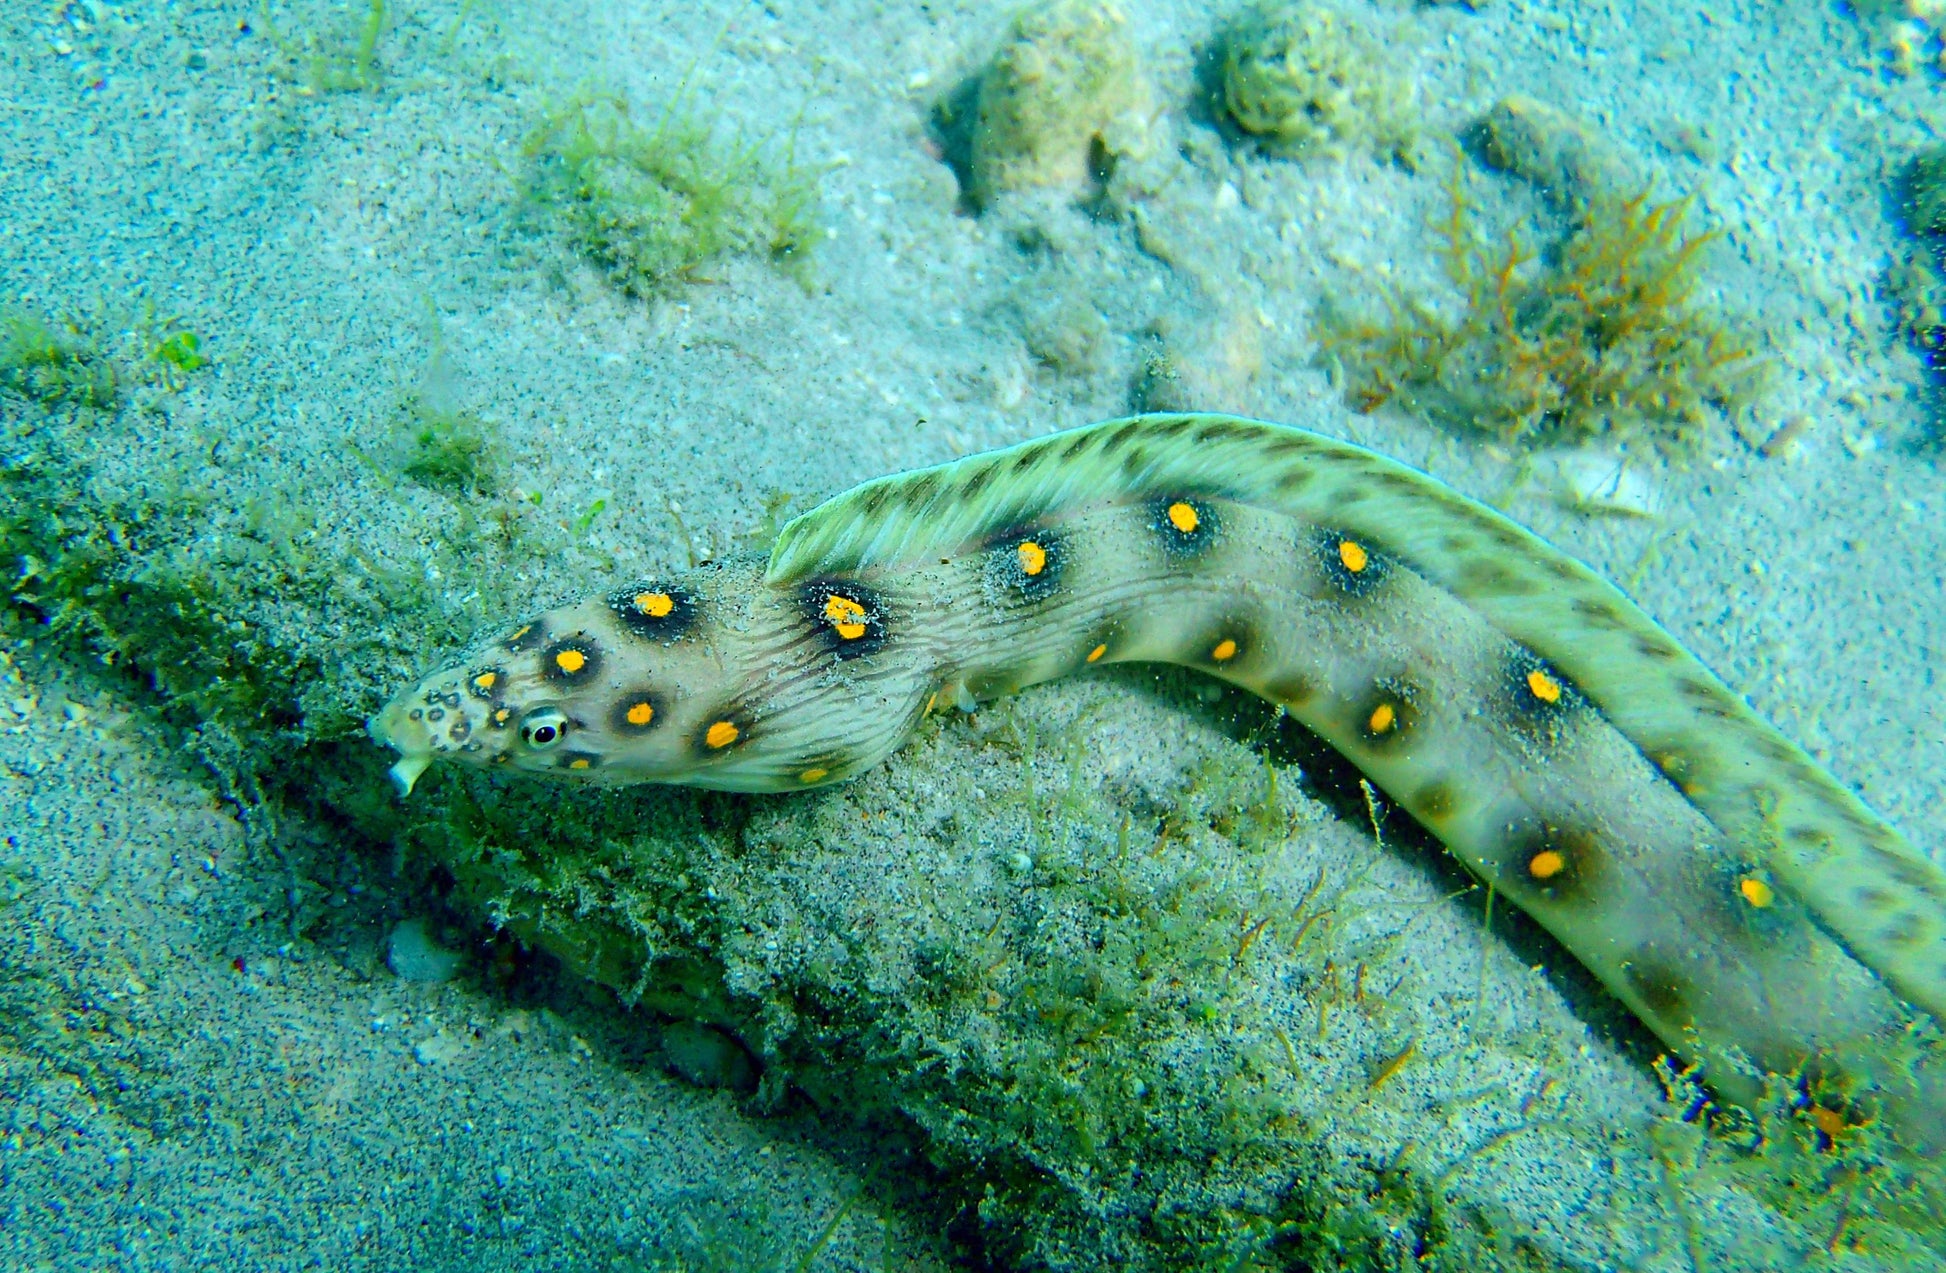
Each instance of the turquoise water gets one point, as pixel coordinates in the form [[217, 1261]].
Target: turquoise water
[[335, 333]]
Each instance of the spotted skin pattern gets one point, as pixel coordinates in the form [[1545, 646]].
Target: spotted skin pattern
[[1563, 746]]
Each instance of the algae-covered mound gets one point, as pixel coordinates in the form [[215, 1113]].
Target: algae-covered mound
[[655, 203], [1139, 1002], [1061, 97], [1305, 79], [1132, 996]]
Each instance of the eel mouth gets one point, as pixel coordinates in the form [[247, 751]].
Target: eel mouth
[[412, 761]]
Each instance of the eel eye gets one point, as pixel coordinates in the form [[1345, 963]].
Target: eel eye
[[544, 727]]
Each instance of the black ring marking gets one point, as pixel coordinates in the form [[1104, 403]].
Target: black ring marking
[[636, 712], [1542, 701], [1183, 533], [654, 610], [1026, 562], [1348, 562], [558, 662], [846, 616]]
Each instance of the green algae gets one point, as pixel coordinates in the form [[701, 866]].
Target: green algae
[[654, 204], [1916, 279], [1600, 339], [450, 450], [55, 364], [334, 60]]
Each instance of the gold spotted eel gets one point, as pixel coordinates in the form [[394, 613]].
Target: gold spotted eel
[[1563, 746]]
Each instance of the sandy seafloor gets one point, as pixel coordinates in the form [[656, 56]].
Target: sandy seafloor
[[161, 151]]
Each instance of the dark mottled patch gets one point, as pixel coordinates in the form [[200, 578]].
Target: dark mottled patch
[[1560, 863], [1349, 563], [873, 501], [1028, 458], [1564, 569], [525, 637], [1682, 767], [1505, 535], [847, 618], [1135, 462], [1662, 989], [1290, 689], [1905, 931], [1662, 651], [573, 660], [977, 482], [1025, 562], [461, 731], [1286, 445], [1206, 528], [999, 682], [1921, 877], [921, 489], [636, 712], [579, 761], [1294, 479], [1177, 427], [656, 611], [1600, 614], [1434, 802], [1218, 431], [1873, 898], [1074, 449], [1485, 575], [1121, 438], [1690, 687]]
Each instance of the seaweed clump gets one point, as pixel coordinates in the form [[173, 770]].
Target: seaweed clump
[[451, 451], [654, 204], [1600, 339], [55, 366], [1303, 79], [1917, 278], [337, 62]]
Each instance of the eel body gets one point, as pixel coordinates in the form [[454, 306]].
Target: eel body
[[1752, 911]]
